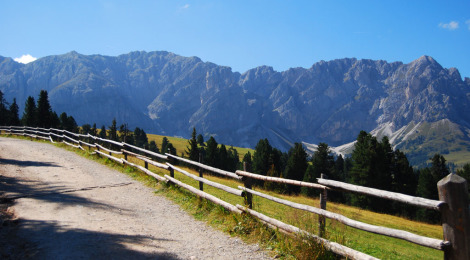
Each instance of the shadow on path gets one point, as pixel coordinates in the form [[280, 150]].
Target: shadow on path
[[12, 188], [49, 240], [28, 163]]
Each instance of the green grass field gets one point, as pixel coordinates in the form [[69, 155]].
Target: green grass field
[[180, 144]]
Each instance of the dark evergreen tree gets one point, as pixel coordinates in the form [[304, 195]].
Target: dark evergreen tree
[[4, 112], [323, 162], [222, 158], [427, 188], [85, 129], [153, 147], [262, 156], [200, 140], [340, 168], [164, 145], [94, 130], [63, 120], [14, 117], [55, 120], [112, 134], [296, 165], [465, 173], [364, 159], [68, 123], [439, 168], [171, 149], [247, 159], [44, 110], [233, 159], [192, 149], [309, 176], [211, 152], [72, 125], [279, 160], [102, 133], [29, 114], [125, 134]]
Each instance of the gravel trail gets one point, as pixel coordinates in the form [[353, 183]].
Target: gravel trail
[[69, 207]]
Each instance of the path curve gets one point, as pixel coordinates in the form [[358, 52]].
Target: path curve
[[73, 208]]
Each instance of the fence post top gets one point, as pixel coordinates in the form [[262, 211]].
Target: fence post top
[[451, 178]]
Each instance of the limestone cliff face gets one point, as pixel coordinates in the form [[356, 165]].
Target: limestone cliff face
[[169, 94]]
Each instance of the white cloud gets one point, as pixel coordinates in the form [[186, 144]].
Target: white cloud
[[468, 24], [25, 59], [453, 25], [186, 6]]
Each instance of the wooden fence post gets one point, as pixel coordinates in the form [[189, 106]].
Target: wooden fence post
[[321, 219], [170, 159], [248, 184], [455, 216], [201, 184]]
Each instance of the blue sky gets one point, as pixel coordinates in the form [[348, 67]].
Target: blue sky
[[243, 34]]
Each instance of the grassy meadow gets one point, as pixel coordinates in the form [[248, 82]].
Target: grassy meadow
[[180, 144]]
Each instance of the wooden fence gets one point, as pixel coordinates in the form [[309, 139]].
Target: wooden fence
[[453, 194]]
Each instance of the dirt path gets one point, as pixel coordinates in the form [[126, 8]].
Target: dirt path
[[71, 208]]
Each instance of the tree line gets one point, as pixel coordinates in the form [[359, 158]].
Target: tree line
[[40, 114], [373, 163]]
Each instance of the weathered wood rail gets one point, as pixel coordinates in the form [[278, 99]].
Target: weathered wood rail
[[453, 195]]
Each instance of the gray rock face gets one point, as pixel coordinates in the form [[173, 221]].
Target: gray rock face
[[168, 94]]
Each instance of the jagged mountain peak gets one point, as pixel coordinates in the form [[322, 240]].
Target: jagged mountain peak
[[166, 93]]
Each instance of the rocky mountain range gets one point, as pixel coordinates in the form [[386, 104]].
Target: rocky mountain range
[[330, 102]]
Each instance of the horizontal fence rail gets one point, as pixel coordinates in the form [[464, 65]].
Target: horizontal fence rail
[[456, 245], [281, 180], [416, 201]]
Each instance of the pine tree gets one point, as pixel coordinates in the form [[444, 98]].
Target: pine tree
[[309, 176], [222, 157], [200, 140], [153, 147], [29, 114], [296, 165], [323, 162], [233, 158], [94, 130], [112, 135], [14, 118], [192, 149], [261, 157], [63, 120], [86, 129], [212, 152], [247, 159], [102, 133], [55, 120], [439, 168], [4, 112], [44, 110], [165, 143]]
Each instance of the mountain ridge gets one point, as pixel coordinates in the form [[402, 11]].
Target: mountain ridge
[[169, 94]]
